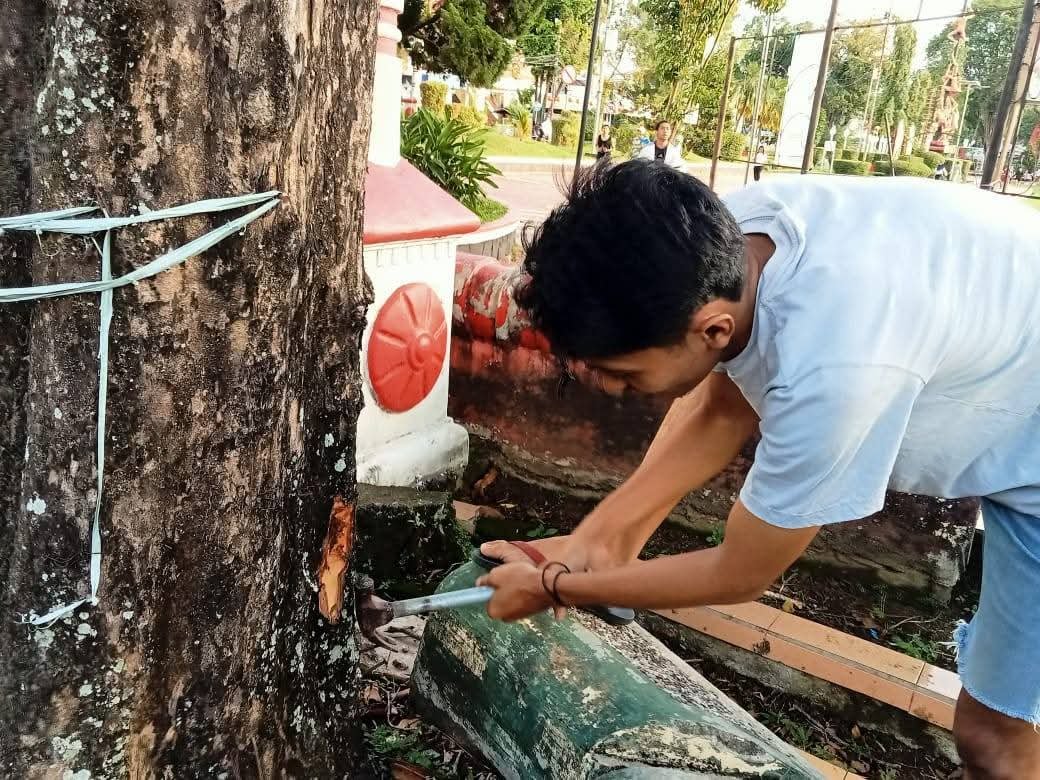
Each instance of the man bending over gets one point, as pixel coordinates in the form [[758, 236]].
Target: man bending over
[[881, 334]]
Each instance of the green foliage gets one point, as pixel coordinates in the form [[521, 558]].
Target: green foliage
[[525, 97], [852, 167], [489, 210], [542, 531], [564, 28], [1027, 162], [913, 166], [894, 93], [853, 57], [408, 745], [468, 115], [624, 135], [717, 535], [470, 38], [702, 141], [565, 129], [432, 96], [918, 93], [450, 153], [520, 117], [918, 647]]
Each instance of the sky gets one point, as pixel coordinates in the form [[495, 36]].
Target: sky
[[815, 11]]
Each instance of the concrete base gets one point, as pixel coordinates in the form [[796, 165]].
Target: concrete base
[[417, 458]]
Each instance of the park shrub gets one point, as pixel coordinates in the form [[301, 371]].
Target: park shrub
[[624, 137], [905, 167], [848, 154], [852, 167], [450, 153], [432, 95], [520, 118], [702, 141], [920, 161], [565, 130], [468, 115], [931, 159]]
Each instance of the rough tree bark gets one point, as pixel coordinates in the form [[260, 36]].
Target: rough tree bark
[[233, 394]]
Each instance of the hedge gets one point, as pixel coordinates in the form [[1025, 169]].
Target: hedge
[[931, 159], [852, 167], [468, 115], [565, 130], [908, 167]]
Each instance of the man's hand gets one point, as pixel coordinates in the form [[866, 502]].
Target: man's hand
[[570, 550], [519, 592]]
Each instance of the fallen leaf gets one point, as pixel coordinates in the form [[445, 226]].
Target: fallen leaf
[[859, 766], [373, 693], [408, 723], [488, 512], [788, 606], [485, 481], [856, 733], [402, 770], [508, 506], [868, 623]]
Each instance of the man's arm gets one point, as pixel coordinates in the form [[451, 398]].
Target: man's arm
[[701, 434], [752, 556]]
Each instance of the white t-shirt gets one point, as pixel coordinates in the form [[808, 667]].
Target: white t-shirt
[[896, 344], [672, 156]]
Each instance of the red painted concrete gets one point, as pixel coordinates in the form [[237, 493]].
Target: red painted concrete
[[407, 347], [401, 204]]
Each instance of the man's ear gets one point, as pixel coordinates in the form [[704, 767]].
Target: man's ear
[[712, 326]]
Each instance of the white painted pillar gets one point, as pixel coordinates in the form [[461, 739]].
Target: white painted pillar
[[384, 146]]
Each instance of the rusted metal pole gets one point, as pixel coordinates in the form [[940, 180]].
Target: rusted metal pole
[[821, 83], [1015, 80], [721, 121]]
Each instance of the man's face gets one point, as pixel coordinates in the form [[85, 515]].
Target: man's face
[[664, 132], [676, 369]]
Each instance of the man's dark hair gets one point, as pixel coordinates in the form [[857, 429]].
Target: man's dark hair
[[625, 261], [660, 122]]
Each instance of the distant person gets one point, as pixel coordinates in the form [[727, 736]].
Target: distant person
[[661, 150], [940, 171], [604, 143], [545, 129], [760, 162]]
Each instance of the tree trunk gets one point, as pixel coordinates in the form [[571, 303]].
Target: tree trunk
[[234, 387]]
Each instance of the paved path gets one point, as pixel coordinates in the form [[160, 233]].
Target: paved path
[[531, 195]]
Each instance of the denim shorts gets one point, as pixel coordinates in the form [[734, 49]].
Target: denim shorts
[[998, 652]]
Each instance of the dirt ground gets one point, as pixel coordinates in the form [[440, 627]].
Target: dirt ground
[[867, 610]]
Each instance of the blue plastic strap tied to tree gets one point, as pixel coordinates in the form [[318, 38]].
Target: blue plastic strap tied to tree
[[69, 221]]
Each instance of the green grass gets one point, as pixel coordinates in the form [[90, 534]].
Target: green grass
[[489, 210], [498, 145]]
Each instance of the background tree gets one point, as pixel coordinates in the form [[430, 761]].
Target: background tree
[[854, 56], [471, 38], [233, 394], [675, 54], [985, 59], [894, 87]]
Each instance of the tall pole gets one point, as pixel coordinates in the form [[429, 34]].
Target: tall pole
[[821, 83], [763, 65], [588, 85], [721, 121], [1016, 119], [602, 66], [1016, 77]]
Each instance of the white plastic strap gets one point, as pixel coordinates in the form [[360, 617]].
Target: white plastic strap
[[63, 222]]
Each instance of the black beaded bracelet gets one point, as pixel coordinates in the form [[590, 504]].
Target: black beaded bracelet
[[551, 590]]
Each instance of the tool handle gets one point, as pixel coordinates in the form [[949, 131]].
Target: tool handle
[[450, 600]]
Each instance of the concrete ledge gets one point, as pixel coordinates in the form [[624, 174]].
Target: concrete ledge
[[431, 454]]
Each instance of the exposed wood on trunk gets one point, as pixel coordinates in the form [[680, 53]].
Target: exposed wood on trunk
[[233, 395]]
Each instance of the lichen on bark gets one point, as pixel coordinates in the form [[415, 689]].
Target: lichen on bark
[[206, 654]]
